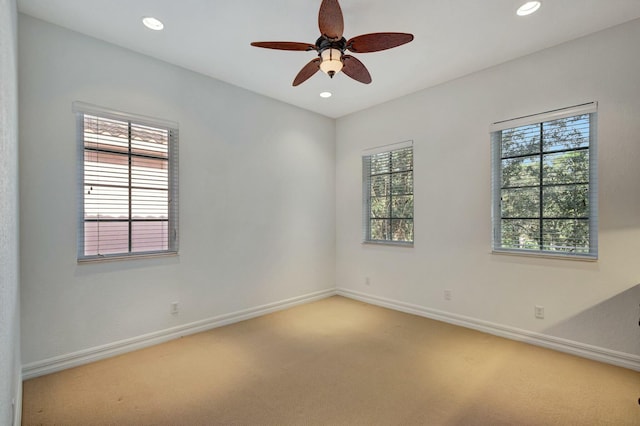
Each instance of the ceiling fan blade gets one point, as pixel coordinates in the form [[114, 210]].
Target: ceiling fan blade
[[330, 19], [284, 45], [307, 71], [375, 42], [355, 69]]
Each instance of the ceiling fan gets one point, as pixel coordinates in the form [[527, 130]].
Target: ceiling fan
[[331, 46]]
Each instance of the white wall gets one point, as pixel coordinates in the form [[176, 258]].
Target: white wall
[[592, 303], [257, 198], [9, 252], [271, 209]]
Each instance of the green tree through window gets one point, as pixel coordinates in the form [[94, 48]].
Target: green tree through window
[[388, 194], [543, 178]]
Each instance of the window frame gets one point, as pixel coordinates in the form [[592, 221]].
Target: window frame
[[366, 191], [496, 130], [81, 109]]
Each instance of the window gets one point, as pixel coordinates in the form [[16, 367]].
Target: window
[[128, 184], [544, 183], [388, 195]]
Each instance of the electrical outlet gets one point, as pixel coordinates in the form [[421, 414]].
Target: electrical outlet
[[367, 281], [539, 311], [448, 295], [174, 308]]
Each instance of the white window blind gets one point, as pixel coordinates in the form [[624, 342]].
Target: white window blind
[[388, 194], [128, 184], [544, 183]]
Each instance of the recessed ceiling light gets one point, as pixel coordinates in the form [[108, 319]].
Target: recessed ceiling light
[[152, 23], [528, 8], [325, 94]]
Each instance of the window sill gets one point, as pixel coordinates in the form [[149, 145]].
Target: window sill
[[117, 258], [388, 243], [545, 255]]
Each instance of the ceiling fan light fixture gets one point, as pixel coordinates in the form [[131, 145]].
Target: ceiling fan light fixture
[[528, 8], [152, 23], [331, 61]]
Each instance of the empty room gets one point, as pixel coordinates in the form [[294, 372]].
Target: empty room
[[289, 212]]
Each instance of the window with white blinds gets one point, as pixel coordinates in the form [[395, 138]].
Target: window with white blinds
[[128, 185], [545, 183], [388, 194]]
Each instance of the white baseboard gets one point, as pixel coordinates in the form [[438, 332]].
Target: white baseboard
[[51, 365], [604, 355], [85, 356], [17, 405]]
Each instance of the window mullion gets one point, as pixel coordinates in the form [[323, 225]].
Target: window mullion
[[390, 196], [369, 203], [130, 194], [541, 190]]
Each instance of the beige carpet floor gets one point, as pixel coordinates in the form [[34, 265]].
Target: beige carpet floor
[[337, 362]]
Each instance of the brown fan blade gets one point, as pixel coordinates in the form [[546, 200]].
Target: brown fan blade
[[330, 19], [355, 69], [284, 45], [307, 71], [375, 42]]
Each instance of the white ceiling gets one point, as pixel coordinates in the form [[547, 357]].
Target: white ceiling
[[452, 38]]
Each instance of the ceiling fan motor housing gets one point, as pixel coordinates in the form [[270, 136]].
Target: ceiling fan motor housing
[[323, 43]]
